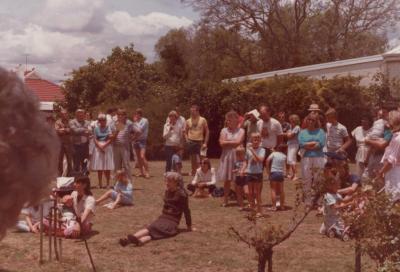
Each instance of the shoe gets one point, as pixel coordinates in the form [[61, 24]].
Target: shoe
[[224, 205], [133, 239], [124, 242], [273, 209], [147, 176], [259, 215]]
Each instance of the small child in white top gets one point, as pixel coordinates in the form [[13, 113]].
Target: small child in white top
[[68, 216], [277, 160], [204, 180]]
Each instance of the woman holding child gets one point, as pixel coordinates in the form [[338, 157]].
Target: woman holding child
[[102, 158], [230, 137], [176, 203], [390, 170]]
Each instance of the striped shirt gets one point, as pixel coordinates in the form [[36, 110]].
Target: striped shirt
[[335, 135], [124, 132]]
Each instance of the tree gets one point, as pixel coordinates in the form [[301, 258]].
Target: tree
[[300, 32], [122, 75]]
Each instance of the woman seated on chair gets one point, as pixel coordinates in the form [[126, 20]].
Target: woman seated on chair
[[175, 204]]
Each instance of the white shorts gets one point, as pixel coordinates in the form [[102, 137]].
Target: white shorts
[[292, 154]]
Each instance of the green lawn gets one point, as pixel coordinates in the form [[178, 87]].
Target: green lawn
[[210, 248]]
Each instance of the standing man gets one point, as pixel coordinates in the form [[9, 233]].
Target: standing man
[[337, 137], [123, 129], [64, 134], [139, 145], [270, 130], [197, 135], [80, 129]]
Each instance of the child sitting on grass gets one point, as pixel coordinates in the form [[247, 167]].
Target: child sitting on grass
[[32, 218], [240, 179], [277, 160], [204, 180], [122, 192], [68, 216]]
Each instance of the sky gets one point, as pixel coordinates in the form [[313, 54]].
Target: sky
[[58, 36]]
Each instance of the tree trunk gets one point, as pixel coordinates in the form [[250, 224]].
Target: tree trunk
[[357, 267], [269, 255], [262, 261], [263, 258]]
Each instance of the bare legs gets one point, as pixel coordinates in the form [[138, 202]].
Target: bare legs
[[142, 161], [227, 190], [100, 177], [277, 189], [139, 238], [194, 159], [106, 196], [239, 195]]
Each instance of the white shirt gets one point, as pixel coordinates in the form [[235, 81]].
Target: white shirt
[[200, 177], [173, 137], [273, 129], [86, 202], [359, 135]]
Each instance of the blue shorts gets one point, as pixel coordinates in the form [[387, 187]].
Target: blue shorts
[[276, 176], [140, 144], [255, 177], [124, 199], [241, 180]]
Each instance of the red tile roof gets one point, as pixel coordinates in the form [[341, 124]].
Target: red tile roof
[[45, 90]]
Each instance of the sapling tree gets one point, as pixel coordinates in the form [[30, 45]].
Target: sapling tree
[[263, 237]]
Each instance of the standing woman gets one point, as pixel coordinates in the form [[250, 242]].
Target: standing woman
[[359, 134], [293, 144], [391, 159], [173, 135], [312, 139], [84, 206], [102, 157], [230, 137], [176, 203]]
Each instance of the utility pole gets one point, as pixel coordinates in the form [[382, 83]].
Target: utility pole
[[26, 62]]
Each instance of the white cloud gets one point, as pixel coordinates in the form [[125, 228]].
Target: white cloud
[[152, 23], [71, 15]]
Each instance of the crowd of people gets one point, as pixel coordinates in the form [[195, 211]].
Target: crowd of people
[[252, 144]]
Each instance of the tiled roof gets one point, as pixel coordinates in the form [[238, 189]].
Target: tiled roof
[[45, 90]]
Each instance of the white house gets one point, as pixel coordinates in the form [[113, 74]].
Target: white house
[[366, 67]]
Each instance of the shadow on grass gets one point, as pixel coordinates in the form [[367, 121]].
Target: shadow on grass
[[88, 236], [283, 209]]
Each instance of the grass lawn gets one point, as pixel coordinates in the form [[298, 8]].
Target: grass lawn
[[210, 248]]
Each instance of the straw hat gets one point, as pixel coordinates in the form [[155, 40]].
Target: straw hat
[[314, 107]]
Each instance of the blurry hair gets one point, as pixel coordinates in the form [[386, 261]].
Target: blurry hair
[[394, 120], [295, 118], [206, 161], [240, 150], [101, 116], [28, 150], [139, 111], [232, 115], [85, 180], [173, 113], [255, 134]]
